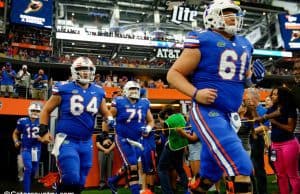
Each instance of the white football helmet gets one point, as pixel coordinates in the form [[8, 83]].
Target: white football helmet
[[83, 70], [34, 110], [214, 19], [132, 90]]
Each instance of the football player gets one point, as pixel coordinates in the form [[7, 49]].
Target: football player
[[79, 102], [133, 119], [148, 165], [218, 63], [28, 129]]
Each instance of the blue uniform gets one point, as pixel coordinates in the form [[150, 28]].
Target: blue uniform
[[130, 119], [148, 154], [76, 119], [223, 67], [31, 148]]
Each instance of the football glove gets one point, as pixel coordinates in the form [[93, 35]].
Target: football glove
[[146, 129], [258, 71], [111, 122]]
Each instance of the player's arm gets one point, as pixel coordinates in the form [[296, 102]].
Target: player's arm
[[150, 124], [150, 119], [15, 137], [177, 77], [183, 66], [107, 116], [51, 104], [104, 110], [113, 110]]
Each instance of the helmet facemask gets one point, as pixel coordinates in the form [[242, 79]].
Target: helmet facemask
[[133, 93], [83, 70], [34, 111], [238, 22], [132, 90], [84, 75], [214, 17]]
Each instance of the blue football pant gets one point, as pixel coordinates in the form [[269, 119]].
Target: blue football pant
[[30, 167], [74, 162], [222, 151], [130, 155]]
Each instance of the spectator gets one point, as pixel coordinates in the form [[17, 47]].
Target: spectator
[[108, 82], [159, 84], [40, 85], [171, 157], [285, 147], [296, 91], [116, 93], [97, 80], [143, 89], [246, 115], [122, 81], [8, 80], [151, 83], [115, 80], [23, 80], [257, 141], [105, 155]]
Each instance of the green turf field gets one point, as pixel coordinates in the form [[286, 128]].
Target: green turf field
[[272, 189]]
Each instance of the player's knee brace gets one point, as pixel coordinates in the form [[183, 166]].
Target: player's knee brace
[[238, 184], [133, 176], [200, 185]]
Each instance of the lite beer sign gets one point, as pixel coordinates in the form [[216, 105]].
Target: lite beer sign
[[166, 53], [183, 14]]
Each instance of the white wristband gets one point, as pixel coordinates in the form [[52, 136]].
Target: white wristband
[[148, 129]]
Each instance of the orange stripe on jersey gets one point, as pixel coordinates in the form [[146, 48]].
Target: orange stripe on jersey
[[191, 45], [192, 37]]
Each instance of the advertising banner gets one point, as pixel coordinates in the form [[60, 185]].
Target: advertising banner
[[290, 30], [32, 12]]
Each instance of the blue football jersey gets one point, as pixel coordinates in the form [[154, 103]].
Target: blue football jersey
[[223, 66], [29, 132], [130, 117], [78, 108]]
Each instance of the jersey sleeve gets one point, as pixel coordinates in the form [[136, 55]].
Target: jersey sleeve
[[146, 102], [102, 92], [192, 40], [19, 124], [56, 88], [60, 87], [114, 102]]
